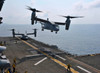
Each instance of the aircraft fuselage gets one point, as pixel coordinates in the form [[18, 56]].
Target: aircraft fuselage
[[50, 26]]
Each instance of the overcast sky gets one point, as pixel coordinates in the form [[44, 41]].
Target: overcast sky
[[15, 12]]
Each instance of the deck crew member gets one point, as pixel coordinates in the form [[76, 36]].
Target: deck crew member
[[68, 67]]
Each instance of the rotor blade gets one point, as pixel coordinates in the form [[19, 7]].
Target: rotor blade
[[33, 9], [76, 16], [72, 16], [29, 8], [38, 11]]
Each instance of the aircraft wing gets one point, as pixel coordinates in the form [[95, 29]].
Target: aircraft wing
[[18, 34], [1, 4], [41, 20], [59, 23], [30, 33]]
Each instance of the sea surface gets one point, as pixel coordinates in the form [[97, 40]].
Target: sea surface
[[80, 39]]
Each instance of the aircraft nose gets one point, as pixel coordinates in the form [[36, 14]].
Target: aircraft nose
[[57, 29]]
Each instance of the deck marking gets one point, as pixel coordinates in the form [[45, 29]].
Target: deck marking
[[61, 57], [40, 61], [83, 64], [34, 55], [84, 69], [35, 44], [55, 60]]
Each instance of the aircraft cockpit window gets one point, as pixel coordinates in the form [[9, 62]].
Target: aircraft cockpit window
[[57, 27]]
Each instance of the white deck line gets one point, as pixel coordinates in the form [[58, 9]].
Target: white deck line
[[61, 57], [35, 44], [84, 69], [40, 61]]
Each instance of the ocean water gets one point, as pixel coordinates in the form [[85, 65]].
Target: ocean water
[[79, 39]]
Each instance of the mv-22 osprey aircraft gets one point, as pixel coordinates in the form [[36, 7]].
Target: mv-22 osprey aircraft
[[24, 36], [4, 62], [1, 5], [46, 24]]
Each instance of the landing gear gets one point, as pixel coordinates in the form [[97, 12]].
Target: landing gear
[[1, 20], [42, 29], [51, 30], [56, 32]]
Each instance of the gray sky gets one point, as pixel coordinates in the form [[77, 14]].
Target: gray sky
[[15, 12]]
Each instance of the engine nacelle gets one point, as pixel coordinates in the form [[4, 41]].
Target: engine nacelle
[[68, 21], [33, 15], [67, 26], [2, 48]]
